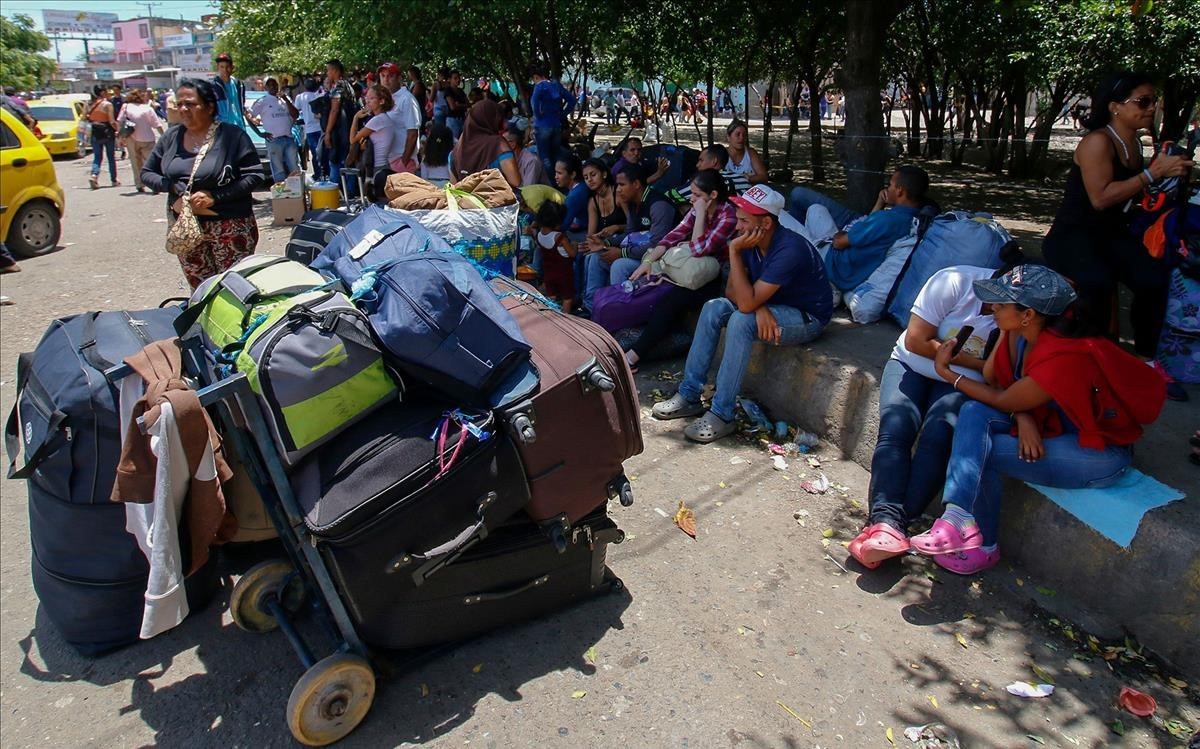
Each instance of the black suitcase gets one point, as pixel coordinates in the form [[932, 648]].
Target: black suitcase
[[514, 575], [316, 230], [383, 509]]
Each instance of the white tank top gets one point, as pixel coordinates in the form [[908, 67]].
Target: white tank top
[[745, 167]]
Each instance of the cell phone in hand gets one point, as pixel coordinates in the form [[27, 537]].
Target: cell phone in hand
[[960, 340]]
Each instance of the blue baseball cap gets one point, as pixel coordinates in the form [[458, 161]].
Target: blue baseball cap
[[1033, 286]]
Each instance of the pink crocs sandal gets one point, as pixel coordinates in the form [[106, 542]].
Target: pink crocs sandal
[[944, 538], [884, 543], [855, 546], [968, 562]]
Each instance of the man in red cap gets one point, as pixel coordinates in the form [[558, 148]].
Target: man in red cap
[[777, 292], [406, 116]]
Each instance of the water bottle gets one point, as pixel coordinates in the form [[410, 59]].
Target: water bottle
[[627, 287], [807, 439]]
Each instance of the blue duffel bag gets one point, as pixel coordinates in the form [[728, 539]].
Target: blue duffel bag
[[432, 311], [64, 437], [953, 238]]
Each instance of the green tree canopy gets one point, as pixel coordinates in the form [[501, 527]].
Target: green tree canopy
[[21, 65]]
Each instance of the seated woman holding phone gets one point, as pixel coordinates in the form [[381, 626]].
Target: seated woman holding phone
[[1060, 406], [916, 406]]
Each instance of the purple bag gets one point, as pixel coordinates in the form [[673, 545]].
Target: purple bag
[[616, 308]]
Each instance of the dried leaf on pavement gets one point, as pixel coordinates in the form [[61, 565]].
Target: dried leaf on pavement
[[686, 519]]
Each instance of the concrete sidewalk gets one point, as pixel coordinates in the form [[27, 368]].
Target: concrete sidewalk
[[1150, 590]]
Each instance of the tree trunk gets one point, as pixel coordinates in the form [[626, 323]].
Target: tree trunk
[[708, 82], [1045, 127], [867, 23], [1019, 167], [1179, 96], [914, 119], [793, 123], [816, 156], [768, 116]]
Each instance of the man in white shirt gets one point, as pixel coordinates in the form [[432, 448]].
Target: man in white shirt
[[406, 114], [312, 126], [276, 115]]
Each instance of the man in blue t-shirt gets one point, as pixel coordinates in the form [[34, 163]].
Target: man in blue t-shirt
[[231, 93], [853, 245], [777, 292], [550, 103]]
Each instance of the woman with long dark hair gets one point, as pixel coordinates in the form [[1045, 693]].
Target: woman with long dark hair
[[1059, 406], [219, 195], [706, 229], [1090, 240]]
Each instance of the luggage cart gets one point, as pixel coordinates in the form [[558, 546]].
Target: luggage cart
[[335, 692]]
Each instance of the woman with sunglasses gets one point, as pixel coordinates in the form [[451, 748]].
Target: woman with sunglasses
[[1090, 240]]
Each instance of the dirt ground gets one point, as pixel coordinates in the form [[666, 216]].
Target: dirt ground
[[759, 633]]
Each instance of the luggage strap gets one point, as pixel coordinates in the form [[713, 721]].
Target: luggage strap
[[235, 283], [12, 433]]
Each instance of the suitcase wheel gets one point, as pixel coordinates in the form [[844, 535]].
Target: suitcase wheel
[[271, 579], [331, 699], [522, 427], [592, 376], [601, 381], [620, 489]]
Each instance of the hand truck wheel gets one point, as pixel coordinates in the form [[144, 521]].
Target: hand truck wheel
[[271, 578], [331, 699]]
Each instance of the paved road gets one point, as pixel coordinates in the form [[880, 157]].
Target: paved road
[[753, 635]]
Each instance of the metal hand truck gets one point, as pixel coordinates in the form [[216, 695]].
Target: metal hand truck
[[335, 693]]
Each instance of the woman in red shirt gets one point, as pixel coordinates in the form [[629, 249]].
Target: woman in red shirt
[[1057, 408]]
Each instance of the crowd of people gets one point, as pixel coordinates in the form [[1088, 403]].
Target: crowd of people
[[1011, 372]]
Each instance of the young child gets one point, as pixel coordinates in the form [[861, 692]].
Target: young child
[[435, 167], [558, 254]]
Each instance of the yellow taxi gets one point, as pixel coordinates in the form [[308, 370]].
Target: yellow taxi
[[61, 119], [31, 202]]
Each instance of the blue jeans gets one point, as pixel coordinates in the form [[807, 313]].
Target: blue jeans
[[335, 155], [100, 148], [547, 139], [597, 274], [317, 155], [741, 331], [456, 125], [913, 409], [803, 197], [984, 453], [284, 157]]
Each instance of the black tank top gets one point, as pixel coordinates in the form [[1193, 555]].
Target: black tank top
[[615, 218], [1077, 213]]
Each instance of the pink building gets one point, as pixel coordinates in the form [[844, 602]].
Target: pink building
[[138, 39]]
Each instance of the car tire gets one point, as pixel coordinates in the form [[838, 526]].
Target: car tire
[[35, 229]]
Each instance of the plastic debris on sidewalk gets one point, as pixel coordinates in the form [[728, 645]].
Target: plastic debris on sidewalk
[[818, 485], [932, 736], [1025, 689], [779, 464], [757, 418], [1138, 703]]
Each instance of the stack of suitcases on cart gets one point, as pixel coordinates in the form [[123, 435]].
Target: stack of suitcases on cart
[[436, 446]]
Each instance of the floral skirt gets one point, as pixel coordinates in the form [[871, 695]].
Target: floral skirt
[[225, 242]]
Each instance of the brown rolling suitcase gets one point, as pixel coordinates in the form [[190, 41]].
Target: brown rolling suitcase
[[585, 413]]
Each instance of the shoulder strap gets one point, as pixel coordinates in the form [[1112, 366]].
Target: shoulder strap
[[208, 141], [235, 282]]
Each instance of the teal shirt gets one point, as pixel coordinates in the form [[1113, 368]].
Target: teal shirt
[[229, 109]]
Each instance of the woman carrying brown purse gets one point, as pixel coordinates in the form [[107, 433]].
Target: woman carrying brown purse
[[220, 185]]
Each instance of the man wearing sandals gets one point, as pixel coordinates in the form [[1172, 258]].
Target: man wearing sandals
[[777, 292]]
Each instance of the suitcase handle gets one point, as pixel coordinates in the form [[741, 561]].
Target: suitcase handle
[[537, 582], [454, 545]]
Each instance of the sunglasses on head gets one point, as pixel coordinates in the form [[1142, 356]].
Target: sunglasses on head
[[1143, 102]]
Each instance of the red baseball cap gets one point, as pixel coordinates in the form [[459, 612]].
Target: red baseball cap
[[389, 67]]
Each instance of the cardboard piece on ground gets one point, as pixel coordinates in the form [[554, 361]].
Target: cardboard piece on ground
[[292, 187], [287, 210], [1114, 511]]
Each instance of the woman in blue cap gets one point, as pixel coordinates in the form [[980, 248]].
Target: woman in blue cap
[[1059, 407]]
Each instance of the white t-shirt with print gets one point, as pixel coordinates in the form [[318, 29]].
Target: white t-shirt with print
[[276, 119], [948, 301]]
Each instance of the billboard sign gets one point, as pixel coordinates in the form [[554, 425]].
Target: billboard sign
[[177, 40], [104, 74], [78, 22]]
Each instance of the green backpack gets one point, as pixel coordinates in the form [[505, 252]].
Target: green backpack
[[305, 349]]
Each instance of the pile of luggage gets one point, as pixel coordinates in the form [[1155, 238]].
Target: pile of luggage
[[446, 443]]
